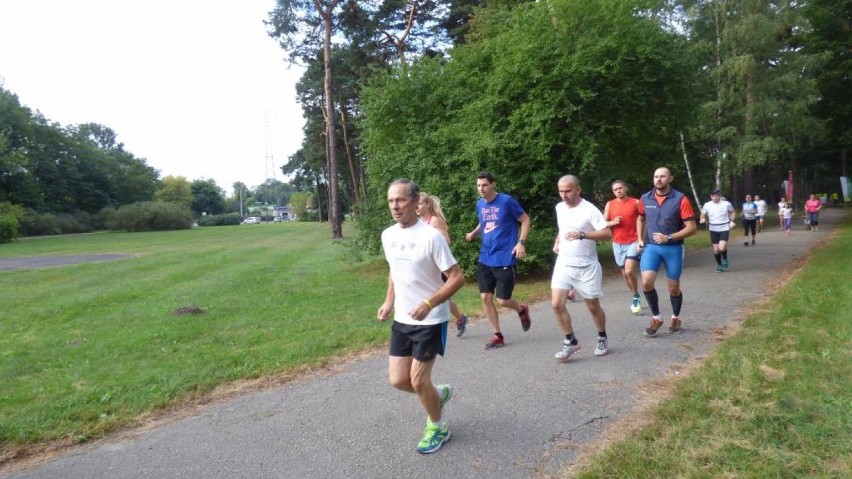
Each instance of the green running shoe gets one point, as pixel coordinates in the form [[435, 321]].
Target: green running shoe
[[635, 307], [433, 438], [445, 392]]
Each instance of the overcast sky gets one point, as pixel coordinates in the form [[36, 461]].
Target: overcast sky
[[196, 87]]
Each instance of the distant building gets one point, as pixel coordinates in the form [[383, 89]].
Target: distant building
[[283, 212]]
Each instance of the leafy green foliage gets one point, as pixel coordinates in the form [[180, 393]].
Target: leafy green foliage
[[585, 87], [175, 189], [829, 38], [33, 223], [220, 220], [8, 228], [207, 197], [50, 168], [757, 90], [151, 216]]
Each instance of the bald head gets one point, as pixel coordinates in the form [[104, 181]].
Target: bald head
[[570, 180], [662, 180], [569, 189]]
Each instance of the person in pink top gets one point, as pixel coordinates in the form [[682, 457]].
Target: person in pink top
[[812, 207], [429, 210]]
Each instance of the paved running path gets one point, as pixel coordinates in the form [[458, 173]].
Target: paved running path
[[513, 411]]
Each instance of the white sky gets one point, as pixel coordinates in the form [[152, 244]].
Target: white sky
[[196, 87]]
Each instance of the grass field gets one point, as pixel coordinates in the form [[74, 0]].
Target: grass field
[[89, 348], [775, 400]]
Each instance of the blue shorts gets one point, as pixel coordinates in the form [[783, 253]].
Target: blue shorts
[[671, 255], [623, 252]]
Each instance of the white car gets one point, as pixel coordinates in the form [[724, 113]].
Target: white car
[[251, 220]]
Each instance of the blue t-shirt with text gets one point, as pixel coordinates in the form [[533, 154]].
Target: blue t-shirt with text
[[498, 226]]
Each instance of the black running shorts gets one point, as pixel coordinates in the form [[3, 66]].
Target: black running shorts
[[423, 343]]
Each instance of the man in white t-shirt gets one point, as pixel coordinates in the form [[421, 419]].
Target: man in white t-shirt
[[417, 294], [761, 211], [721, 216], [577, 267]]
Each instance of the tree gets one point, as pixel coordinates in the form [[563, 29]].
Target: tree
[[829, 37], [175, 189], [294, 23], [299, 204], [207, 197], [50, 168], [539, 90], [757, 117]]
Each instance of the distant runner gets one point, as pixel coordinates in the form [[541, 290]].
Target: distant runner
[[720, 215]]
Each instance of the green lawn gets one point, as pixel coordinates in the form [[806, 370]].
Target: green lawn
[[88, 348], [775, 400]]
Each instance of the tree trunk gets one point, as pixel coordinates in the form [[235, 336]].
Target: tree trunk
[[353, 171], [331, 137], [720, 154], [689, 171], [317, 184]]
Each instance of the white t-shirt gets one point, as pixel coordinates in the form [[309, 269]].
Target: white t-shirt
[[761, 207], [417, 256], [583, 217], [785, 212], [718, 215]]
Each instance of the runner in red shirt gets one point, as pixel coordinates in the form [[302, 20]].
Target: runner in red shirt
[[621, 213]]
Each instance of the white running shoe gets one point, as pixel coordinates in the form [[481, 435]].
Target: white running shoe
[[567, 350], [602, 349]]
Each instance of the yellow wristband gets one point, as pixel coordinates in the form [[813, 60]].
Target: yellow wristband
[[426, 301]]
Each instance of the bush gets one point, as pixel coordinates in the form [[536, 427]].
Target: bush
[[8, 228], [309, 216], [34, 223], [151, 216], [79, 222], [220, 220]]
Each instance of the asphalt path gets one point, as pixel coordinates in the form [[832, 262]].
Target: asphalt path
[[515, 411], [39, 262]]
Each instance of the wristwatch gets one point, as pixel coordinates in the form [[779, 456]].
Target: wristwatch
[[670, 238], [522, 241]]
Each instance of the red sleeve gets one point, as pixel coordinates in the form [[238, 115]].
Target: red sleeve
[[640, 207], [686, 211]]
